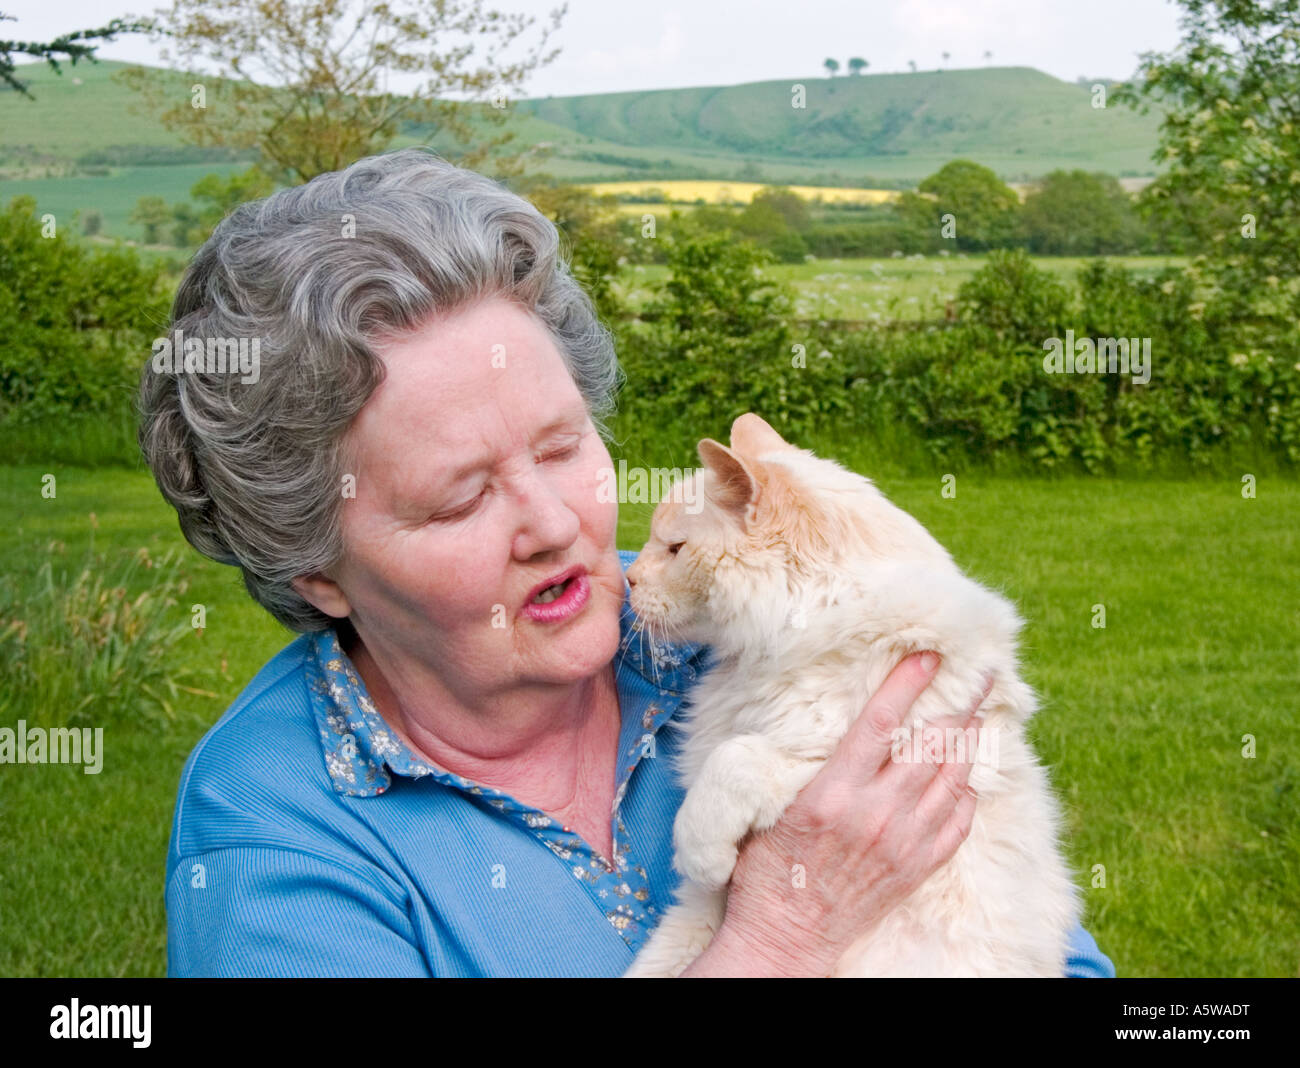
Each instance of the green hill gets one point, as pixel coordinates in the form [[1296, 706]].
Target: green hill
[[892, 127], [1018, 120]]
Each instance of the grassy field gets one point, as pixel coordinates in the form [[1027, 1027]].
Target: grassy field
[[880, 289], [113, 196], [1142, 721]]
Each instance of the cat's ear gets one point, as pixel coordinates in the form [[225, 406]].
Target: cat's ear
[[753, 436], [733, 488]]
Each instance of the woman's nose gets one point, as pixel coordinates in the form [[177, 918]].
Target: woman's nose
[[547, 521]]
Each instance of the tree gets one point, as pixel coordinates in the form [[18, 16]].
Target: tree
[[857, 65], [945, 57], [152, 213], [218, 196], [911, 65], [765, 224], [983, 207], [832, 65], [589, 236], [1230, 145], [1074, 213], [68, 46], [304, 84], [789, 204]]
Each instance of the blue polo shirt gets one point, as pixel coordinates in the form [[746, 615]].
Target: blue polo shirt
[[308, 840]]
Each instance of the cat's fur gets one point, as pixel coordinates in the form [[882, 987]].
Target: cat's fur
[[810, 586]]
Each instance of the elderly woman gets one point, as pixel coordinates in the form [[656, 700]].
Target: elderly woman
[[460, 767]]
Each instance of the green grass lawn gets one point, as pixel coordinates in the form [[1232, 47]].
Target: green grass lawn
[[1142, 722]]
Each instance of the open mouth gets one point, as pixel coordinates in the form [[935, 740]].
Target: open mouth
[[561, 599], [551, 593]]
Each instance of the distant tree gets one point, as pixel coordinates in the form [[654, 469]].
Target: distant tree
[[66, 46], [1230, 147], [303, 84], [92, 223], [1075, 213], [787, 203], [911, 65], [152, 214], [832, 65], [588, 226], [857, 65], [214, 196], [984, 208], [187, 231], [987, 55], [219, 195], [945, 57]]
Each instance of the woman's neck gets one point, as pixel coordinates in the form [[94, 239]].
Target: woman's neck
[[553, 748]]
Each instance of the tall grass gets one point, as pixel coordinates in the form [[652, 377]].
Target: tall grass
[[94, 642], [100, 440]]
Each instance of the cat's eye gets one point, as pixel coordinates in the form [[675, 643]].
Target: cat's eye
[[675, 548]]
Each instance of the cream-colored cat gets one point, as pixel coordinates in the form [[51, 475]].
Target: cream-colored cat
[[810, 586]]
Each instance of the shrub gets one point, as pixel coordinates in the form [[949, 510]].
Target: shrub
[[1015, 299], [716, 342], [76, 323]]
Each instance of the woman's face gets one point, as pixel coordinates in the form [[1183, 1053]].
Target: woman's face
[[477, 469]]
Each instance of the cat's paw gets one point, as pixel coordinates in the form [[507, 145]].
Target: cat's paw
[[705, 861]]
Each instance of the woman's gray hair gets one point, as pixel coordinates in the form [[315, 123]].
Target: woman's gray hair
[[318, 274]]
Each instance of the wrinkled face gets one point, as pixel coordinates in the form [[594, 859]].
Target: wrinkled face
[[477, 469]]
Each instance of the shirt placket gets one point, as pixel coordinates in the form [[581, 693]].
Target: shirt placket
[[361, 751]]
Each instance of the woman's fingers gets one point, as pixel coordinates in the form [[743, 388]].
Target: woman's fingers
[[951, 784], [867, 745], [956, 829]]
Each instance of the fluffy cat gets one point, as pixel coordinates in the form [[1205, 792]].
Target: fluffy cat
[[810, 586]]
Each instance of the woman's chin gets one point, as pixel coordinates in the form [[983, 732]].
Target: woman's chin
[[579, 647]]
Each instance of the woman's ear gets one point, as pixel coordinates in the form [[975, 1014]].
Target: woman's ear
[[323, 594]]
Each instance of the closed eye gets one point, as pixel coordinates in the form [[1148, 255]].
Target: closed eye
[[459, 513], [567, 453]]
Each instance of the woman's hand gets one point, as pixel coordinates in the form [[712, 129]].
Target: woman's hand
[[866, 831]]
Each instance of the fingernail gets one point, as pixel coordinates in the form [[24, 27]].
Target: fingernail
[[929, 662]]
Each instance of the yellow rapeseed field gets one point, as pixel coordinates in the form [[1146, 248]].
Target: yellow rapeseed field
[[714, 192]]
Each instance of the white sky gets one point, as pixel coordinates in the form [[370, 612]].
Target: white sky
[[614, 45]]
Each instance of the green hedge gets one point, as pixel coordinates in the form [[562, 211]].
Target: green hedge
[[974, 389]]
